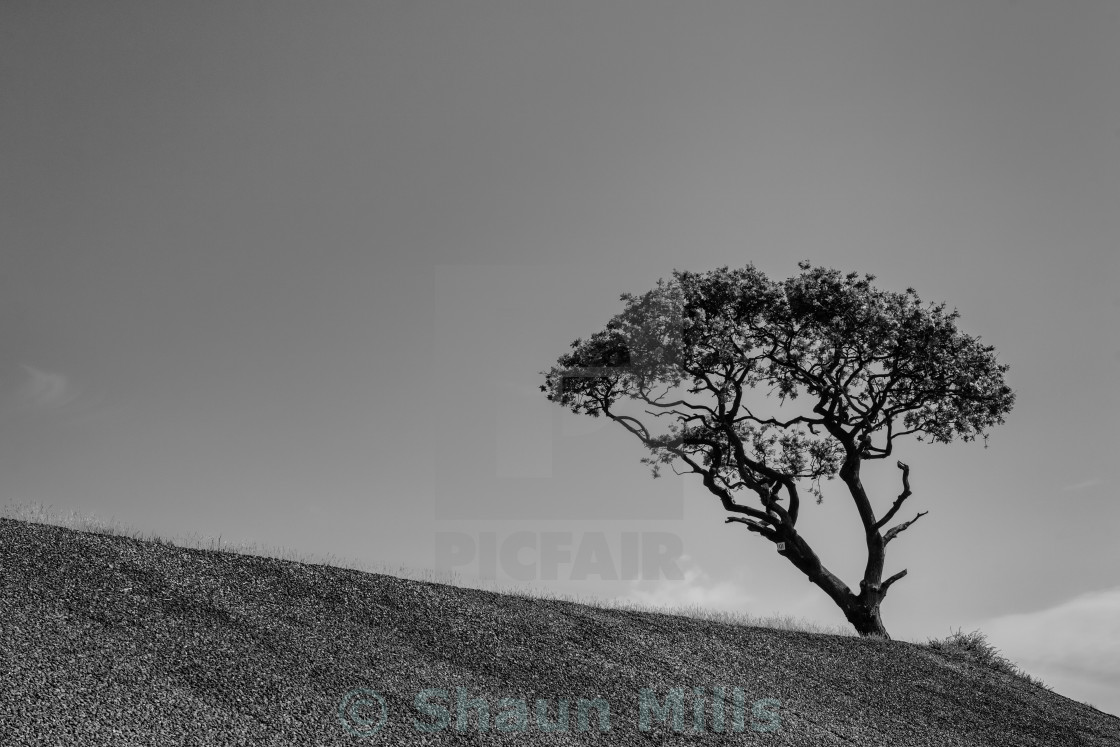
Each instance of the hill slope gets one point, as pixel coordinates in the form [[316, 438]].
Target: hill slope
[[110, 640]]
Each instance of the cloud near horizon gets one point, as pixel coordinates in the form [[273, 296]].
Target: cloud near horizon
[[1074, 646], [696, 589]]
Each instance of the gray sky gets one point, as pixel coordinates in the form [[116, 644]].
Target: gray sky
[[288, 272]]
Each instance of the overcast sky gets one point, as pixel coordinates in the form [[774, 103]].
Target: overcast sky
[[287, 272]]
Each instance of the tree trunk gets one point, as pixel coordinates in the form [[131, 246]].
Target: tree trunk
[[861, 610], [863, 614]]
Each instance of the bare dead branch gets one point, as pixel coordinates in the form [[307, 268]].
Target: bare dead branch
[[895, 531], [886, 584], [901, 497]]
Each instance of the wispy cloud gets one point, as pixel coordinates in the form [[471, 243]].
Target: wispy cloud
[[43, 389], [1074, 647], [696, 589], [1091, 482]]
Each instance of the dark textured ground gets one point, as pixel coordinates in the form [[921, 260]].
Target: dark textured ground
[[115, 641]]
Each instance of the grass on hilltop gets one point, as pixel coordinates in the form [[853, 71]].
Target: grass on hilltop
[[72, 519], [972, 648]]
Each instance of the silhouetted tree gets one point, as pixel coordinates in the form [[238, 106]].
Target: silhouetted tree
[[868, 365]]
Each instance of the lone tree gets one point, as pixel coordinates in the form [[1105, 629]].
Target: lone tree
[[868, 365]]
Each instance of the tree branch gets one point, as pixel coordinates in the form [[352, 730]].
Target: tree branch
[[754, 526], [895, 531], [743, 463], [886, 584], [901, 497], [709, 479], [774, 421], [884, 452]]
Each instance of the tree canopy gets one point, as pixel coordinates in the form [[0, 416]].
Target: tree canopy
[[771, 386]]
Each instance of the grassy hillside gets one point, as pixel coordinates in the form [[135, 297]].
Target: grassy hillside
[[109, 640]]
